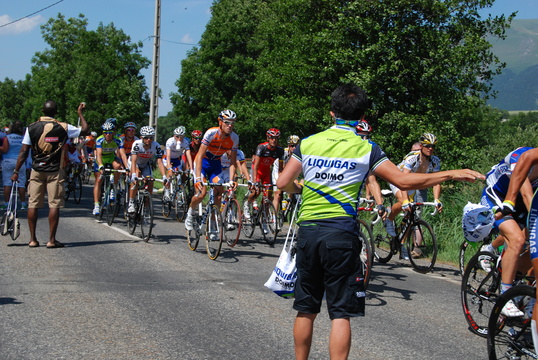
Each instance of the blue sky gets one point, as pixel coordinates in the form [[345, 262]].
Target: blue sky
[[182, 24]]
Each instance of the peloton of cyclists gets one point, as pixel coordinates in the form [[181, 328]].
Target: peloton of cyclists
[[108, 152], [140, 163], [207, 165], [266, 154]]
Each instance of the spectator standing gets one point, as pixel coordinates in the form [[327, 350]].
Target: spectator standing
[[46, 138], [334, 163]]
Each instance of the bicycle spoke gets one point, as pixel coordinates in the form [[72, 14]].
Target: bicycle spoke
[[422, 247], [214, 233], [146, 217], [232, 222]]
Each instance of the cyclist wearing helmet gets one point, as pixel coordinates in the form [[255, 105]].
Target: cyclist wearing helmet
[[129, 137], [196, 141], [364, 130], [109, 152], [177, 149], [422, 161], [207, 165], [143, 151], [266, 154], [293, 142]]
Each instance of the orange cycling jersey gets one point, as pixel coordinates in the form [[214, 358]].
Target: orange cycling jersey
[[217, 145], [128, 145]]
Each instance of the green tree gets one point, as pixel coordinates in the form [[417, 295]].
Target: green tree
[[101, 68], [14, 97], [425, 64]]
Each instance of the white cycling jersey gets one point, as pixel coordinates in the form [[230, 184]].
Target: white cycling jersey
[[144, 156]]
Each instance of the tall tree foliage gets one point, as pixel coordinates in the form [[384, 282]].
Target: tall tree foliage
[[14, 97], [100, 67], [426, 65]]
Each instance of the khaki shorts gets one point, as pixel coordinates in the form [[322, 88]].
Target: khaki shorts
[[50, 182]]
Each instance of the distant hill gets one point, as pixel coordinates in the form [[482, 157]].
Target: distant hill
[[518, 85]]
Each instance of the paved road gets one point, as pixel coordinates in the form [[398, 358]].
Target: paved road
[[109, 295]]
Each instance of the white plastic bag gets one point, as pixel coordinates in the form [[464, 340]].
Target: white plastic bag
[[284, 275]]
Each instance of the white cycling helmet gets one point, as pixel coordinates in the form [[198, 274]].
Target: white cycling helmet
[[477, 222], [108, 126], [147, 131], [94, 134], [227, 115], [180, 130]]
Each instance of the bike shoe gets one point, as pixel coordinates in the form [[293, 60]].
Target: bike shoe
[[189, 222], [511, 310]]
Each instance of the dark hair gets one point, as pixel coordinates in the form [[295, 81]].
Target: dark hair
[[49, 108], [16, 127], [349, 102]]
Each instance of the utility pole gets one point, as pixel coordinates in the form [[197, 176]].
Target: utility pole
[[154, 101]]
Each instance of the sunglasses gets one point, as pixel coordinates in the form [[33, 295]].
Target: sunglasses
[[228, 122], [130, 129], [197, 138], [272, 137], [292, 145], [429, 146], [147, 137], [108, 132]]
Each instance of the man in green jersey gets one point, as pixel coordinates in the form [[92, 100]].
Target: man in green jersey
[[335, 163]]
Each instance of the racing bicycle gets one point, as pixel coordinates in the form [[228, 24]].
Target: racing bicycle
[[415, 234], [207, 222], [143, 214], [265, 217]]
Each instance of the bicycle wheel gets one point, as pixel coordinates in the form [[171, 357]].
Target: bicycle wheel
[[182, 204], [479, 291], [214, 232], [382, 241], [467, 251], [366, 257], [248, 222], [511, 337], [146, 217], [268, 223], [111, 205], [422, 246], [366, 229], [77, 188], [132, 218], [193, 236], [105, 190], [232, 222], [166, 205]]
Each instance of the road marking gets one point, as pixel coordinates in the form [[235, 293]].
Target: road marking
[[118, 230]]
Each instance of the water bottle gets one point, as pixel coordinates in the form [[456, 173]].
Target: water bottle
[[284, 204], [222, 205]]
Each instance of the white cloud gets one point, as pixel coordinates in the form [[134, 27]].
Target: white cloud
[[187, 39], [20, 26]]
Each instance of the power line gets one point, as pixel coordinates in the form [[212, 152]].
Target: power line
[[36, 12]]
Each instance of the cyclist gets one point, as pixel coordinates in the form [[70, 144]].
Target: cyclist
[[266, 154], [373, 189], [292, 141], [194, 146], [518, 181], [422, 161], [89, 147], [142, 153], [207, 165], [177, 148], [511, 227], [128, 137], [108, 152]]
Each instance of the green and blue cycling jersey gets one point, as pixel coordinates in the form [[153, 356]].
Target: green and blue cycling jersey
[[335, 164]]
